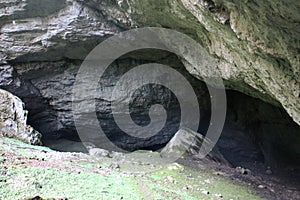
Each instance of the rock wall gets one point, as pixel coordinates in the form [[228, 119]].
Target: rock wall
[[43, 42], [46, 88], [13, 120], [256, 43]]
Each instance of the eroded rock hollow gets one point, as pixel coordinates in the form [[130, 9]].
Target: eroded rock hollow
[[256, 45]]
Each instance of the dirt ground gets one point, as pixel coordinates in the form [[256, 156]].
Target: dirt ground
[[273, 184]]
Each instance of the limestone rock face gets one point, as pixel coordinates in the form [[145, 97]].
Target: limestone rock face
[[256, 42], [51, 28], [43, 42], [13, 120]]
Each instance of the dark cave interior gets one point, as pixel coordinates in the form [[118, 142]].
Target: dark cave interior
[[254, 131]]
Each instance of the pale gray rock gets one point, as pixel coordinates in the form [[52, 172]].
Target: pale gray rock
[[97, 152], [256, 42], [188, 141], [6, 75], [13, 120], [256, 45]]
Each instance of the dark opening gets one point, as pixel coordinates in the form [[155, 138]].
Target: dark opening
[[255, 131]]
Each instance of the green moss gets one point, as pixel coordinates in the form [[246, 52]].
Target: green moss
[[28, 171], [53, 183]]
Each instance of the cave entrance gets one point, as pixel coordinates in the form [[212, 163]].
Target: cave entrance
[[257, 132], [254, 131]]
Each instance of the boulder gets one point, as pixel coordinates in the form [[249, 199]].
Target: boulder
[[13, 120], [188, 141]]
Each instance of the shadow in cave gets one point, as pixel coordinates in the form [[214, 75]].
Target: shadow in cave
[[256, 134], [254, 131], [245, 141]]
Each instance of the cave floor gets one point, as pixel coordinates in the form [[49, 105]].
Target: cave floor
[[34, 172]]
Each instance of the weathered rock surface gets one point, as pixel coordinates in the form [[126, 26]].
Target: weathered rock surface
[[13, 120], [188, 141], [256, 44]]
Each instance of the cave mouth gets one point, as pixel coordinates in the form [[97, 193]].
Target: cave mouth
[[254, 131], [245, 140]]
